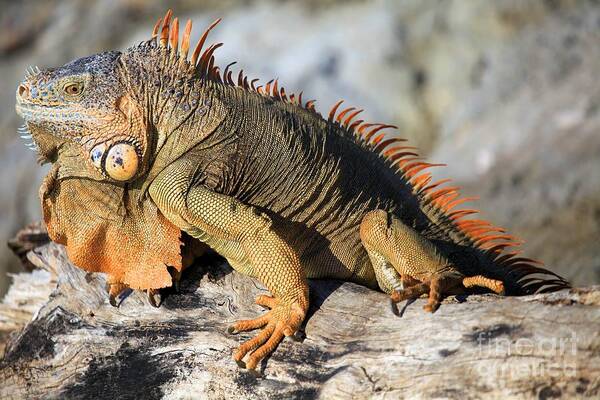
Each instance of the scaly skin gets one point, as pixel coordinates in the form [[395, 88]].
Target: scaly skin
[[148, 145]]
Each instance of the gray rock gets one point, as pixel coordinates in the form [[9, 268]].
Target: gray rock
[[78, 346]]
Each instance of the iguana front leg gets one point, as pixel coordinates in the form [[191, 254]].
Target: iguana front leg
[[246, 238]]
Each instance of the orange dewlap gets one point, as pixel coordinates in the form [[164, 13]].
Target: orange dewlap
[[106, 230]]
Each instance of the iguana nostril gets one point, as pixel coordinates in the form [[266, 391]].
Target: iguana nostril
[[23, 90]]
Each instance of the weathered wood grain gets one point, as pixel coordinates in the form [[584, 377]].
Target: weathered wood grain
[[78, 346]]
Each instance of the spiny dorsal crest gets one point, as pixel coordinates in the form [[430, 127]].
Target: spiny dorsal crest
[[166, 33], [202, 63], [438, 199]]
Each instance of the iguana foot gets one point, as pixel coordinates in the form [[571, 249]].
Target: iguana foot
[[408, 265], [414, 292], [282, 320], [444, 284]]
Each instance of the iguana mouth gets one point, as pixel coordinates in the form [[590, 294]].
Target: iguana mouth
[[33, 113], [28, 130], [34, 131]]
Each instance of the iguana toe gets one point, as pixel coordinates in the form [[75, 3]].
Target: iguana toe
[[412, 292], [154, 297], [248, 324], [266, 301], [176, 274], [431, 306], [114, 291]]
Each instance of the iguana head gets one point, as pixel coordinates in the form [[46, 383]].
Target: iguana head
[[87, 119], [85, 105], [116, 119], [111, 112]]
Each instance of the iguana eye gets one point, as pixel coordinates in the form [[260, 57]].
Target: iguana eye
[[73, 89]]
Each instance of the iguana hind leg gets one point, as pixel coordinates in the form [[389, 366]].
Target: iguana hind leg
[[399, 254]]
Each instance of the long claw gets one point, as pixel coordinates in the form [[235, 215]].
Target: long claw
[[253, 343], [114, 291], [299, 336], [154, 297], [394, 306]]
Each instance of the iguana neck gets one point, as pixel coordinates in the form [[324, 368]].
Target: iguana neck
[[173, 97]]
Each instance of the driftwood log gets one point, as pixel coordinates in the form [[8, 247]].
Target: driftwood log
[[68, 342]]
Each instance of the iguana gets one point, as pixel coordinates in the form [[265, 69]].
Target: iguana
[[151, 148]]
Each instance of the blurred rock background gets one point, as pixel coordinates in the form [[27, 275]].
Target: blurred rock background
[[506, 92]]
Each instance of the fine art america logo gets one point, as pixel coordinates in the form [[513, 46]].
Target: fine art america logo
[[532, 357]]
